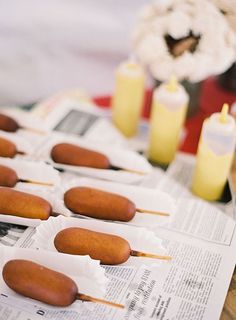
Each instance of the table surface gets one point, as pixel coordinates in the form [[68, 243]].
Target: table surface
[[229, 311]]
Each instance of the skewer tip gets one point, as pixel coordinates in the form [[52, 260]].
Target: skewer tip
[[135, 253], [34, 130], [127, 170], [84, 297], [48, 184], [21, 153], [157, 213]]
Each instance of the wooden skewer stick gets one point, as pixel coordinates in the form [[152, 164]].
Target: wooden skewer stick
[[135, 253], [49, 184], [56, 214], [84, 297], [158, 213], [134, 171], [34, 130], [21, 152], [127, 170]]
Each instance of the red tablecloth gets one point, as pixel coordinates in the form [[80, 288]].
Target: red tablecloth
[[211, 100]]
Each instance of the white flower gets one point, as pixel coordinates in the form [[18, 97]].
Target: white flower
[[228, 7], [189, 38]]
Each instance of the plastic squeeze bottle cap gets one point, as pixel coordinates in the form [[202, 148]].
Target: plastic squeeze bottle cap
[[219, 132], [224, 113], [172, 85]]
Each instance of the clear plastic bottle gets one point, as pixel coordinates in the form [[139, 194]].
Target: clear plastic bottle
[[128, 97], [215, 155], [169, 108]]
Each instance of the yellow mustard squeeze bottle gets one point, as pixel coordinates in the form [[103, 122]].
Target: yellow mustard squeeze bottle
[[169, 107], [215, 155], [128, 97]]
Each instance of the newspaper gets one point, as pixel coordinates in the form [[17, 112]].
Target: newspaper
[[83, 120], [202, 241], [193, 286], [178, 183], [16, 235], [195, 217]]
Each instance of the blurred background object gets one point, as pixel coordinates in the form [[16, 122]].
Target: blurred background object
[[128, 97], [191, 39], [228, 79], [52, 45], [169, 108], [228, 8]]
